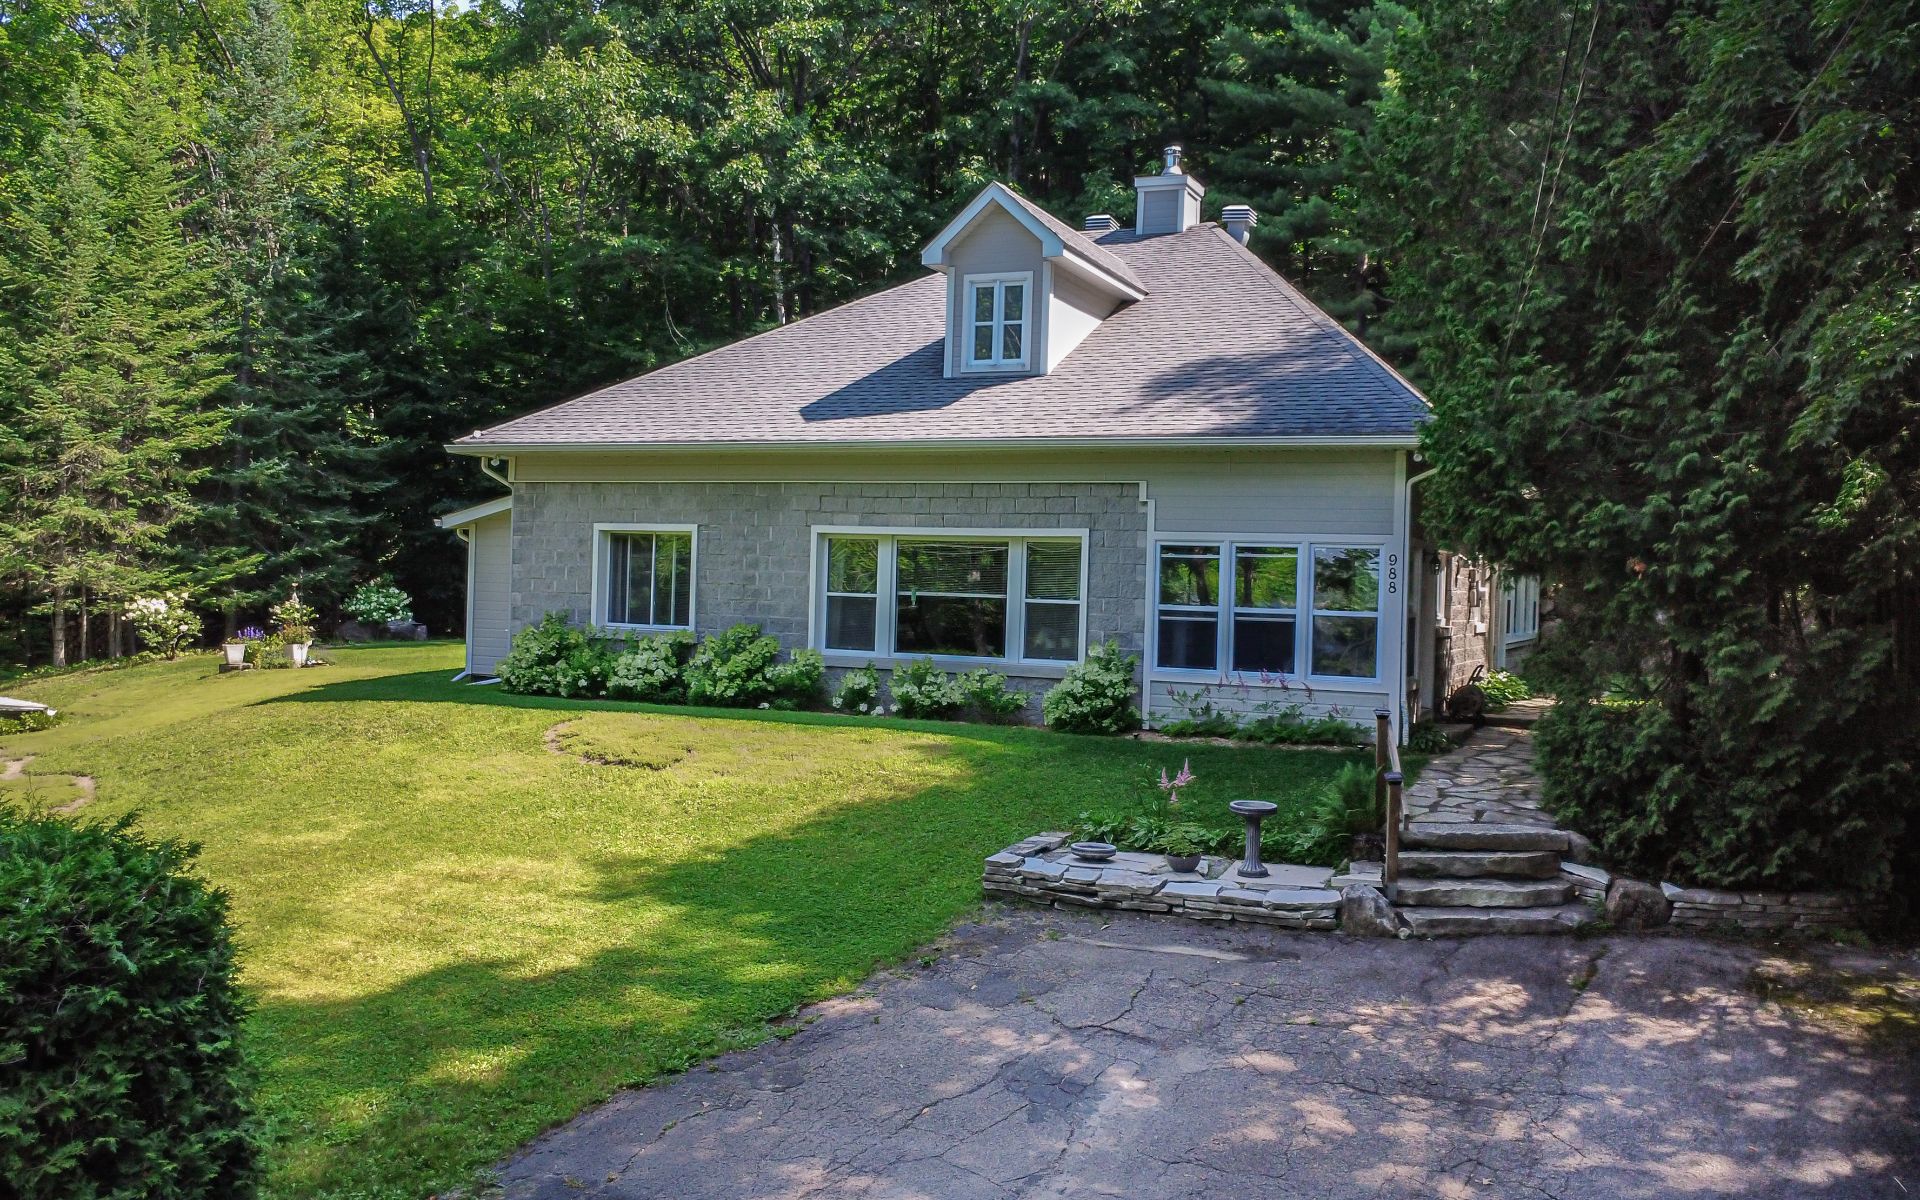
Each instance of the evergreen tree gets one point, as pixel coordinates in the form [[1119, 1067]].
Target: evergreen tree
[[1663, 284], [1292, 89], [300, 456], [113, 352]]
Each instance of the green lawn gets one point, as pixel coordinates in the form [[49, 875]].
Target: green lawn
[[466, 915]]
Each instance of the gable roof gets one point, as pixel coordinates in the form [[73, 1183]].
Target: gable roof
[[1057, 238], [1221, 350]]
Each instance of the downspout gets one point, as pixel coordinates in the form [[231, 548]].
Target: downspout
[[486, 465]]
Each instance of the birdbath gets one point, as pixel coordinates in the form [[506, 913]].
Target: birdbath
[[1253, 812]]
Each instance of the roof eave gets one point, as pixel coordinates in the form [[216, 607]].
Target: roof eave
[[1382, 441]]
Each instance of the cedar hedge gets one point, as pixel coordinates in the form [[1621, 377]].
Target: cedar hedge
[[120, 1066]]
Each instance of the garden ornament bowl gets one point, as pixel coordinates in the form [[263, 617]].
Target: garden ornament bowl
[[1093, 851]]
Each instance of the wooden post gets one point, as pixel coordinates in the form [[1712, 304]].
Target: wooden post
[[1382, 731], [1390, 868]]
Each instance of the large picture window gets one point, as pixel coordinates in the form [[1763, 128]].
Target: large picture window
[[1255, 623], [648, 578], [1008, 599], [951, 598]]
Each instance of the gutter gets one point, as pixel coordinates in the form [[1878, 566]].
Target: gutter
[[1381, 441]]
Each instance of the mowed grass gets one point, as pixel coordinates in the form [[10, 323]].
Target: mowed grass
[[465, 916]]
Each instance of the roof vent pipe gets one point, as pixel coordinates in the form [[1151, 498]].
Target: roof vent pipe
[[1239, 220], [1100, 223], [1172, 155]]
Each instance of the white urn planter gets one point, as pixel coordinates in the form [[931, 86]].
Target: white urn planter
[[298, 650], [236, 653]]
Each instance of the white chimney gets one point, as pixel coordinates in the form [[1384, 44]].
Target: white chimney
[[1239, 220], [1168, 202], [1100, 223]]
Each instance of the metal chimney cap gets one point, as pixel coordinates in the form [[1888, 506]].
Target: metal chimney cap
[[1099, 223], [1240, 212], [1172, 155]]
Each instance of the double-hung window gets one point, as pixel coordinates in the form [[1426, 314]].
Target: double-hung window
[[997, 310], [646, 578], [1254, 622], [1522, 599], [1013, 598]]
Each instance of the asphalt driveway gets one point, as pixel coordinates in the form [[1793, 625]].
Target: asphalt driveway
[[1045, 1054]]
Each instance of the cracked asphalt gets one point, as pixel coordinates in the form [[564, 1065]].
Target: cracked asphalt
[[1055, 1054]]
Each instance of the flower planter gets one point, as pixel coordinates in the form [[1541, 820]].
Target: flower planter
[[298, 652], [1184, 863], [236, 653]]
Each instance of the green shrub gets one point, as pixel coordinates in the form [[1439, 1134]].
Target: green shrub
[[923, 691], [652, 669], [553, 658], [740, 668], [1426, 737], [1502, 688], [1213, 724], [1293, 729], [120, 1035], [27, 722], [859, 692], [1097, 695], [988, 696], [1806, 799], [1344, 810]]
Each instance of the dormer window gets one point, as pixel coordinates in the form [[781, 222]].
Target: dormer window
[[998, 317]]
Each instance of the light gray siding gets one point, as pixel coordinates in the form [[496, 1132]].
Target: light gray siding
[[489, 610], [1194, 491], [1074, 310]]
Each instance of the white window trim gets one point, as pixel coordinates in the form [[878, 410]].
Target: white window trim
[[887, 583], [601, 553], [1302, 545], [1521, 593], [1027, 321]]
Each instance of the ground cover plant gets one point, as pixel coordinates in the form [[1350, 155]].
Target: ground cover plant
[[464, 915]]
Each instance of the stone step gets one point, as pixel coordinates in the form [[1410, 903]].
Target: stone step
[[1439, 921], [1472, 864], [1483, 893], [1438, 835]]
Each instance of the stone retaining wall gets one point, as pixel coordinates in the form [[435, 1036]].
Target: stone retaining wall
[[1038, 870], [1704, 908]]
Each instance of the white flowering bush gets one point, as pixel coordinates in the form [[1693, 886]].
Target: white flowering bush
[[555, 659], [923, 690], [164, 622], [989, 696], [1097, 695], [653, 669], [378, 601], [741, 668], [859, 693]]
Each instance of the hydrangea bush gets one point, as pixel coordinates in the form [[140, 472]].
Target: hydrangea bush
[[165, 622], [653, 669], [378, 601], [740, 668], [1097, 694], [924, 691], [555, 659], [859, 692]]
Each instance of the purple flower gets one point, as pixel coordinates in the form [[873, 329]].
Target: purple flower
[[252, 633]]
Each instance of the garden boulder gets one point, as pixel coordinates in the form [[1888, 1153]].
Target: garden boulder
[[1364, 912], [1632, 904]]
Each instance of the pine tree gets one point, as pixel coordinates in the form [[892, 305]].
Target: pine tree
[[113, 348], [299, 454]]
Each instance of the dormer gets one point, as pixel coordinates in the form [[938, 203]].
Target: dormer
[[1023, 289]]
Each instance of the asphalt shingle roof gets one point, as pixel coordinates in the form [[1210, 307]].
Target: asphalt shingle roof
[[1221, 347]]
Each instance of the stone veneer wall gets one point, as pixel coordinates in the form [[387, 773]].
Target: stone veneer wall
[[755, 545], [1704, 908]]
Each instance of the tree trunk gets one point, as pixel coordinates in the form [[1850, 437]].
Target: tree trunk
[[59, 627], [113, 635], [86, 624]]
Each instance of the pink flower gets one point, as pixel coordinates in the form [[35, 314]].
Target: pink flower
[[1172, 786]]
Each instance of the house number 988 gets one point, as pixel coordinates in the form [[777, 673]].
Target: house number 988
[[1393, 574]]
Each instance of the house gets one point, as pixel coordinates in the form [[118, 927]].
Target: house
[[1052, 438]]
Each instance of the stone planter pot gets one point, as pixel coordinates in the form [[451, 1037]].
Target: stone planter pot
[[298, 652], [1184, 863], [236, 653]]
